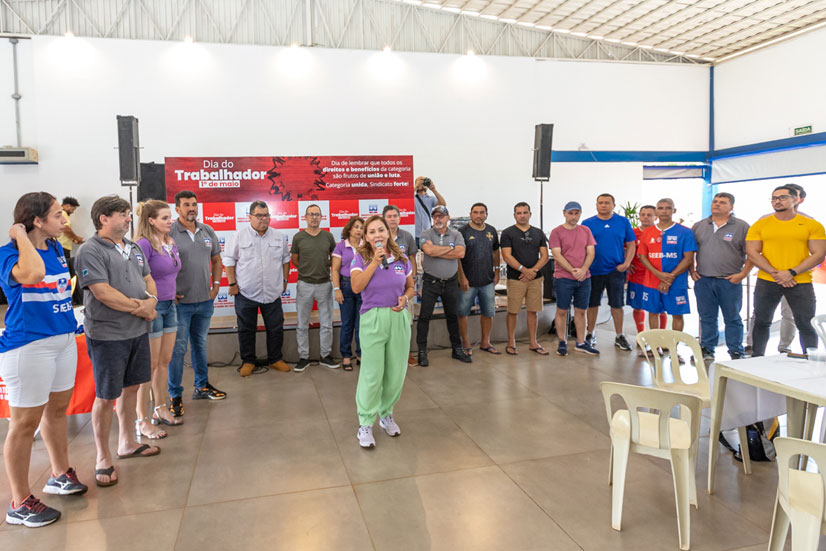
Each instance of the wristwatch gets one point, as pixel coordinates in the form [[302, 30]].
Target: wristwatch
[[792, 272]]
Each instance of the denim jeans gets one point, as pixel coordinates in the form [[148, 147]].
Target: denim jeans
[[193, 326], [801, 299], [713, 294], [433, 288], [246, 311], [349, 320]]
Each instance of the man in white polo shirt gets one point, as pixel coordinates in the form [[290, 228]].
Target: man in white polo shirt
[[257, 261]]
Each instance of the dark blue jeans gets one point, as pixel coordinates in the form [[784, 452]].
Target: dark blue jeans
[[801, 299], [713, 294], [349, 320], [193, 326]]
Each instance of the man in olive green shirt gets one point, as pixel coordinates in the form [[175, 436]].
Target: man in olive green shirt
[[311, 252]]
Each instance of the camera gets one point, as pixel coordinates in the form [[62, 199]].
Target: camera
[[427, 182]]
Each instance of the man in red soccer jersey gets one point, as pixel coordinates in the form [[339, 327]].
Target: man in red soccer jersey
[[667, 251], [636, 276]]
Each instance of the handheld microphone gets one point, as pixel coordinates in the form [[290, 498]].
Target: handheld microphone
[[384, 258]]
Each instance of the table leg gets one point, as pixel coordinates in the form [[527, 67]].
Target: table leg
[[808, 430], [795, 413], [716, 418]]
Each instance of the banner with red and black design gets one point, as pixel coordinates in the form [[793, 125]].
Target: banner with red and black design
[[342, 186]]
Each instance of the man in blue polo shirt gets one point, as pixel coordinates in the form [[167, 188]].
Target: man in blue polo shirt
[[616, 245]]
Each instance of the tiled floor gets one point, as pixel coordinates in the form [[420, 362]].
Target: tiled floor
[[509, 453]]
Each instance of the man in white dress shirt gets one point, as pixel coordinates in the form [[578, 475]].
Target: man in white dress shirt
[[257, 261]]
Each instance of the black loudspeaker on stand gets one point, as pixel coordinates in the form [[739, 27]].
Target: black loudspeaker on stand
[[542, 144], [153, 182], [129, 150]]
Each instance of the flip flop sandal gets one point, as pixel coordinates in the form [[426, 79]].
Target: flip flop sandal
[[509, 348], [468, 351], [539, 350], [347, 367], [491, 350], [139, 452], [109, 471]]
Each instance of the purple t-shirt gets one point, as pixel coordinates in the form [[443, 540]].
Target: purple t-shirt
[[573, 243], [345, 252], [386, 286], [164, 267]]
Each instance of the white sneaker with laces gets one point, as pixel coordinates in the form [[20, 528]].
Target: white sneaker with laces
[[389, 425], [365, 436]]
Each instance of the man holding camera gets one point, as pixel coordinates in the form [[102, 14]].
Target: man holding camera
[[425, 204]]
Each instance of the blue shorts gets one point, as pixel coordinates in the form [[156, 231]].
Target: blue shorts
[[674, 303], [487, 300], [568, 289], [633, 296], [167, 320]]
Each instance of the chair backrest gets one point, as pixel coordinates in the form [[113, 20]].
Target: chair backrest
[[804, 491], [652, 340], [664, 401], [819, 323]]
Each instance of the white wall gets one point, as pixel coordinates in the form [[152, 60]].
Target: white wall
[[468, 121], [764, 95]]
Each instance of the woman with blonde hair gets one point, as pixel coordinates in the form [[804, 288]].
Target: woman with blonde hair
[[160, 251], [384, 277]]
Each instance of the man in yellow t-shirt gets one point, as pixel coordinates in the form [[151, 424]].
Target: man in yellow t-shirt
[[69, 238], [785, 246]]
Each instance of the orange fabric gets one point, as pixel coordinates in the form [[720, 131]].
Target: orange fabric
[[84, 393]]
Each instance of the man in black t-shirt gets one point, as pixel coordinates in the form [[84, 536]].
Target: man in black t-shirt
[[525, 250], [478, 274]]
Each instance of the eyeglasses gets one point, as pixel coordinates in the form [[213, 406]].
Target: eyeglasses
[[261, 216], [313, 214], [780, 197]]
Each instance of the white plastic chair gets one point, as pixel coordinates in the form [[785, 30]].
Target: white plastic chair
[[819, 323], [656, 434], [800, 496], [652, 341]]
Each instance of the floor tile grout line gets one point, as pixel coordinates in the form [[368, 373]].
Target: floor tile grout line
[[344, 463], [192, 476], [541, 508]]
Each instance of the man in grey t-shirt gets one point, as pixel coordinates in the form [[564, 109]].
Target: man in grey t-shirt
[[119, 297], [196, 287], [442, 247], [311, 253], [721, 266]]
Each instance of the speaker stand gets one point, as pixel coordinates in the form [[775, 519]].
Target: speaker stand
[[131, 187], [541, 204]]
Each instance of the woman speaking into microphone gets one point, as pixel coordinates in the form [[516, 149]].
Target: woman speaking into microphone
[[384, 277]]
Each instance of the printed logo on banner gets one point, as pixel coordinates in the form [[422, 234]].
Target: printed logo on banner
[[342, 211], [288, 298], [283, 214], [370, 207], [671, 239], [223, 300], [242, 214], [407, 210], [221, 216], [292, 277]]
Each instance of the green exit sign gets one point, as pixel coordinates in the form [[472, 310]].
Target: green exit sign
[[799, 131]]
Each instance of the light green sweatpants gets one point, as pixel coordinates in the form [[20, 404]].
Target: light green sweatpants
[[385, 341]]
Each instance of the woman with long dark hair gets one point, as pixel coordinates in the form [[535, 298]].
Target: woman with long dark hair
[[349, 302], [160, 251], [38, 354], [384, 277]]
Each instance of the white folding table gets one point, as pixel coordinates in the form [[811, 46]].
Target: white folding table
[[762, 386]]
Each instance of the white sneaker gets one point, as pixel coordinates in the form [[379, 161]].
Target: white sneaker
[[389, 425], [365, 436]]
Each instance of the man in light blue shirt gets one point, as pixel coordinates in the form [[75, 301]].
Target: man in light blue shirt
[[425, 204]]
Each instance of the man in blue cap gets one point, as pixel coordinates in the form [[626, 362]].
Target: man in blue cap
[[572, 246]]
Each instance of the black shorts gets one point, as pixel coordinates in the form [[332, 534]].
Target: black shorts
[[119, 364], [614, 283]]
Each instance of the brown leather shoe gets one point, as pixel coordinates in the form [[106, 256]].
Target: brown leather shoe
[[280, 366], [411, 360], [246, 369]]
